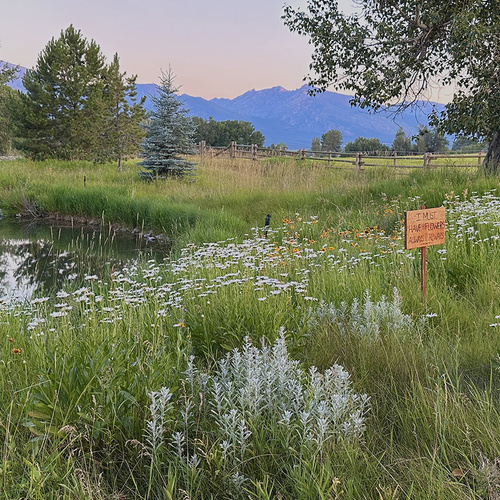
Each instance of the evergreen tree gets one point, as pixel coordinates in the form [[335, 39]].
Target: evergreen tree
[[401, 141], [122, 133], [61, 114], [169, 134], [8, 98]]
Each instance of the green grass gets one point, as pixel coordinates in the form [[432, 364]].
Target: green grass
[[76, 370]]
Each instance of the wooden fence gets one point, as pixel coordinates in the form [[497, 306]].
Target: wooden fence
[[347, 160]]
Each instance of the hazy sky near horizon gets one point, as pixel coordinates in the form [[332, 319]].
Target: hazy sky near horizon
[[218, 48]]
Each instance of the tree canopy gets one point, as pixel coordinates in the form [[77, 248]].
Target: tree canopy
[[77, 107], [122, 133], [466, 145], [331, 140], [431, 141], [401, 141], [366, 145], [392, 52], [221, 134], [61, 115]]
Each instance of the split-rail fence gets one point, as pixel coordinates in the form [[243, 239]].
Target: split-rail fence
[[357, 161]]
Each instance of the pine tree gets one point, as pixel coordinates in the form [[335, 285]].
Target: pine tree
[[402, 142], [8, 97], [7, 73], [122, 133], [169, 134], [61, 114]]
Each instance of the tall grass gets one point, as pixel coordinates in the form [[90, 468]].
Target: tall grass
[[84, 407]]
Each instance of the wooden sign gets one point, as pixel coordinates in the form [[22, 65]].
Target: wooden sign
[[424, 228]]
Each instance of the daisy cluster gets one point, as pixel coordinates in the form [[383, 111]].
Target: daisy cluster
[[475, 219], [280, 263]]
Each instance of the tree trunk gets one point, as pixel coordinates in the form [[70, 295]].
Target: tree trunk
[[491, 164], [120, 169]]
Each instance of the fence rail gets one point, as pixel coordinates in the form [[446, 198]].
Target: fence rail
[[347, 160]]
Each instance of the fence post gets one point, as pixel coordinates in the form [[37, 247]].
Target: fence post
[[395, 158], [358, 161], [202, 146], [232, 150], [479, 158], [425, 160], [329, 159], [254, 152]]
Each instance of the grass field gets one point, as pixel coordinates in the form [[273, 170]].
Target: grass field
[[194, 378]]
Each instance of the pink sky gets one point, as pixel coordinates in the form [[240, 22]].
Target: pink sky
[[218, 48]]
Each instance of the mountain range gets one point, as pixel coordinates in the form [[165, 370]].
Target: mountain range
[[295, 117]]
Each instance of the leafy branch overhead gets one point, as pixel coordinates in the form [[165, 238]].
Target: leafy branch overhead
[[393, 52]]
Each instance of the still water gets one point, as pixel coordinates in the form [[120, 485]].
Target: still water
[[38, 256]]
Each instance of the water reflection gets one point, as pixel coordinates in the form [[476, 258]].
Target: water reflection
[[40, 255]]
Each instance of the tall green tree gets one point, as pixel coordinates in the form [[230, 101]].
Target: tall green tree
[[366, 145], [431, 141], [401, 141], [122, 133], [169, 134], [62, 112], [331, 140], [222, 133], [315, 144], [393, 51]]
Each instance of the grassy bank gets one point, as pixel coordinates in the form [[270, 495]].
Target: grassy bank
[[115, 388], [223, 200]]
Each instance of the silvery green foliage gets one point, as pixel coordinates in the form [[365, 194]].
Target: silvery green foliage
[[366, 319], [261, 391], [255, 385], [155, 427]]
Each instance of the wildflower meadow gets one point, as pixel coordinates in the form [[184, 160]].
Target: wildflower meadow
[[292, 361]]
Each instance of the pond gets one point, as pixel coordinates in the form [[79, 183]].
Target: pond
[[40, 255]]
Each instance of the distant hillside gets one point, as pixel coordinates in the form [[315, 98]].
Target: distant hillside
[[294, 117]]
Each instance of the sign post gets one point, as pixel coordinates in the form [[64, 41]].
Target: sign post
[[424, 228]]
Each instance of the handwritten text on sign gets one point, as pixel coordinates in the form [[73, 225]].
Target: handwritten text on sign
[[424, 227]]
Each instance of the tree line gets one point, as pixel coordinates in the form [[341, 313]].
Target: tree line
[[78, 107], [427, 140]]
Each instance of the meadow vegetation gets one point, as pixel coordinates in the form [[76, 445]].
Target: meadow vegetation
[[296, 361]]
